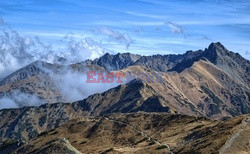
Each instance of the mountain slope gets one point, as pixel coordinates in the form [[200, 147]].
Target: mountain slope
[[38, 80], [139, 133], [25, 123], [203, 89], [232, 63], [196, 91]]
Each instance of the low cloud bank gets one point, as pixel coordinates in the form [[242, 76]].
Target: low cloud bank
[[74, 87], [18, 99], [17, 51], [122, 38]]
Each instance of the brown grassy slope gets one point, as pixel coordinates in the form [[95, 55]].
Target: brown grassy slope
[[141, 133], [40, 85], [38, 79], [27, 122], [203, 89]]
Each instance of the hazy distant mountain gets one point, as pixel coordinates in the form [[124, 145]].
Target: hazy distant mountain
[[115, 62]]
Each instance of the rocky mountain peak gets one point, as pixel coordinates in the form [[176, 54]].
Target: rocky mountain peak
[[107, 55], [215, 52], [116, 62], [215, 46]]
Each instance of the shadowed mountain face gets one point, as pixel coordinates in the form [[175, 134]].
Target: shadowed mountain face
[[213, 83]]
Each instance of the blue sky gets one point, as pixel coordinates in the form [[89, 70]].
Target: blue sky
[[137, 26]]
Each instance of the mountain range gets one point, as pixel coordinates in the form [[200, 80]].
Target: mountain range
[[201, 93]]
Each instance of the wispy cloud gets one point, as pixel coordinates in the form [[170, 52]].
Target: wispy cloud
[[139, 30], [174, 28], [1, 21], [216, 22], [122, 38], [206, 38], [127, 23], [145, 15]]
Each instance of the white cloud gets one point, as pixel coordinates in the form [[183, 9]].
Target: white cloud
[[17, 51], [73, 86], [174, 28], [218, 21], [145, 15], [206, 38], [122, 38], [1, 21], [17, 99]]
